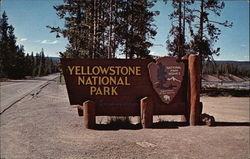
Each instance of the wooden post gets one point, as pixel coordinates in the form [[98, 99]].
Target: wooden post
[[195, 78], [80, 110], [146, 106], [186, 116], [89, 114]]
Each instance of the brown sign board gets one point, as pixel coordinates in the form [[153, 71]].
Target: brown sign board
[[117, 85]]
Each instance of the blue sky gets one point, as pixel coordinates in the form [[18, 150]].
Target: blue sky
[[30, 18]]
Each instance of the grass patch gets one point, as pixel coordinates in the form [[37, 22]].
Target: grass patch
[[60, 80], [160, 124], [118, 122], [4, 79]]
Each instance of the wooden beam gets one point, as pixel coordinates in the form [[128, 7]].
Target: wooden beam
[[89, 114], [146, 106], [195, 78]]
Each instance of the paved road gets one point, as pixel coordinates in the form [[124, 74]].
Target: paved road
[[14, 90]]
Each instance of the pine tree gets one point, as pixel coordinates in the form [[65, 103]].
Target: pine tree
[[35, 64], [19, 70], [41, 63], [8, 48], [182, 14], [78, 16], [13, 61], [4, 27], [12, 57], [99, 29], [207, 30], [32, 64], [137, 28]]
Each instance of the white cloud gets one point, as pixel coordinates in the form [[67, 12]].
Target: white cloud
[[49, 42], [154, 53], [23, 39]]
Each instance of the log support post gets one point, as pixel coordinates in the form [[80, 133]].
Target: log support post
[[89, 114], [186, 116], [194, 63], [146, 106], [80, 110]]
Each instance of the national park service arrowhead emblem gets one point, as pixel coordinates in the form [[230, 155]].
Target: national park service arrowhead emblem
[[166, 76]]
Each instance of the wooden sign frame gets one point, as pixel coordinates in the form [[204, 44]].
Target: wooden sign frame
[[119, 87]]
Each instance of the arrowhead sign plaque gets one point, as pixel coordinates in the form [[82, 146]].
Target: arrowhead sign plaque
[[166, 76]]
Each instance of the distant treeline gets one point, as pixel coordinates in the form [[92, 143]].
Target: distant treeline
[[225, 68], [14, 63]]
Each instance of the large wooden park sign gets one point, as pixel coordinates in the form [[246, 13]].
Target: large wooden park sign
[[119, 87]]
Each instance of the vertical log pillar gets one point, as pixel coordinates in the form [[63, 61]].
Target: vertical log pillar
[[186, 116], [89, 114], [146, 106], [195, 78]]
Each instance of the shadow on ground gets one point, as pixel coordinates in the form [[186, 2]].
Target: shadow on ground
[[169, 125], [162, 125], [118, 127], [129, 126], [232, 124]]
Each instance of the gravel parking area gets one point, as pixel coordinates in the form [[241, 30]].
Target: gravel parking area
[[46, 126]]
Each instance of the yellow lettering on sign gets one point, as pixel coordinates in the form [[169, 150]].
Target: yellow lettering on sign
[[118, 70], [112, 80], [124, 71], [103, 90], [92, 90], [71, 69], [112, 70], [132, 70], [120, 81], [98, 91], [138, 70], [77, 70], [104, 70], [106, 91], [82, 71], [108, 70], [96, 70], [105, 80], [99, 80], [88, 81], [81, 80], [88, 71], [94, 79], [113, 91], [126, 81]]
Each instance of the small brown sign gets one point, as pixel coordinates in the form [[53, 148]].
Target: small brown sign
[[166, 76]]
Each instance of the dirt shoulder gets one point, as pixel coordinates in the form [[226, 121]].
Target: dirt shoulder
[[46, 126], [223, 78]]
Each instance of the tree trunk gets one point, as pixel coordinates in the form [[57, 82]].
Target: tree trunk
[[183, 28], [201, 24], [94, 29], [180, 47], [201, 35]]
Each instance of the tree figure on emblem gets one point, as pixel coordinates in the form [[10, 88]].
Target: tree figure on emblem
[[161, 72]]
